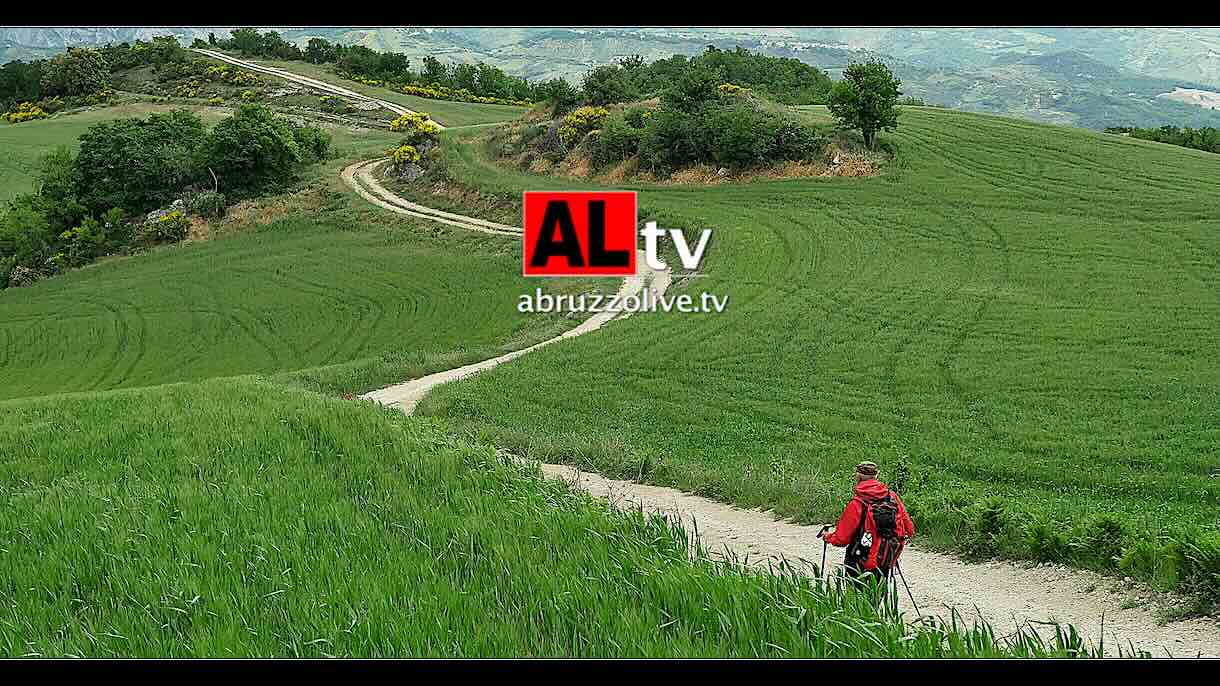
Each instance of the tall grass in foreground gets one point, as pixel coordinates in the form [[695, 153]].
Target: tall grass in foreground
[[239, 518]]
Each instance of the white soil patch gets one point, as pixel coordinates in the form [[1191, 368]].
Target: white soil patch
[[1194, 96]]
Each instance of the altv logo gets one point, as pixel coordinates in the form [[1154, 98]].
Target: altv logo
[[593, 233]]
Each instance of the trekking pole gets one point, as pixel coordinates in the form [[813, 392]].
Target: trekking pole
[[822, 535], [909, 594]]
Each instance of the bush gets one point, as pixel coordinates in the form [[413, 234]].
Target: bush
[[252, 151], [313, 142], [560, 95], [1201, 571], [207, 204], [169, 228], [608, 84], [617, 141], [79, 71], [404, 155], [637, 117], [24, 112], [1101, 544], [673, 140], [1047, 542], [417, 126], [27, 237], [58, 185], [580, 122], [691, 89], [139, 164]]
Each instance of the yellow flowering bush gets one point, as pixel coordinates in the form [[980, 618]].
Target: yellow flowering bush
[[216, 101], [236, 77], [415, 121], [25, 111], [187, 90], [438, 92], [243, 78], [403, 155], [100, 96], [580, 122], [417, 126], [171, 227], [730, 88]]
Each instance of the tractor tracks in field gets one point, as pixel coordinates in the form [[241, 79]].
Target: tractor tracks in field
[[1007, 595]]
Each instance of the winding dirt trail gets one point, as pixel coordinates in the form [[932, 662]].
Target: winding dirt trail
[[1005, 594], [305, 81]]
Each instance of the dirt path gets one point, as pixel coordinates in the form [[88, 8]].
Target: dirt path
[[305, 81], [1005, 594], [407, 394]]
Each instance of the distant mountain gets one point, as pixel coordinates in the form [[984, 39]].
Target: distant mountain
[[1083, 77]]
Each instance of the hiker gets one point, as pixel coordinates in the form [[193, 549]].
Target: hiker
[[874, 527]]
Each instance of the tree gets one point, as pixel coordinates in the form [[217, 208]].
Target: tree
[[320, 50], [20, 82], [434, 71], [692, 88], [246, 40], [866, 99], [80, 71], [559, 94], [139, 164], [609, 84]]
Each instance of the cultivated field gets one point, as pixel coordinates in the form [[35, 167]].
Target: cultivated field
[[318, 285], [1022, 315]]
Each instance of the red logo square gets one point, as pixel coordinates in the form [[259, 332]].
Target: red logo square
[[579, 233]]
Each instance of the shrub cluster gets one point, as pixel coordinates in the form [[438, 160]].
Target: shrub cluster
[[786, 80], [207, 204], [127, 167], [1204, 138], [713, 126], [439, 92], [25, 111], [168, 228]]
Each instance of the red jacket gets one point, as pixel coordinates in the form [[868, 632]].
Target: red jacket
[[850, 522]]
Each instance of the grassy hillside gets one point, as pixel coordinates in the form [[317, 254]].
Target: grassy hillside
[[237, 518], [320, 286], [1022, 315], [24, 144], [444, 111]]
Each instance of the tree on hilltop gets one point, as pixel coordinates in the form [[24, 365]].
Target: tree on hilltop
[[866, 99]]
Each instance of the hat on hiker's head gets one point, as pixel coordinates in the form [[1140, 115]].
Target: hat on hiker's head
[[868, 469]]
